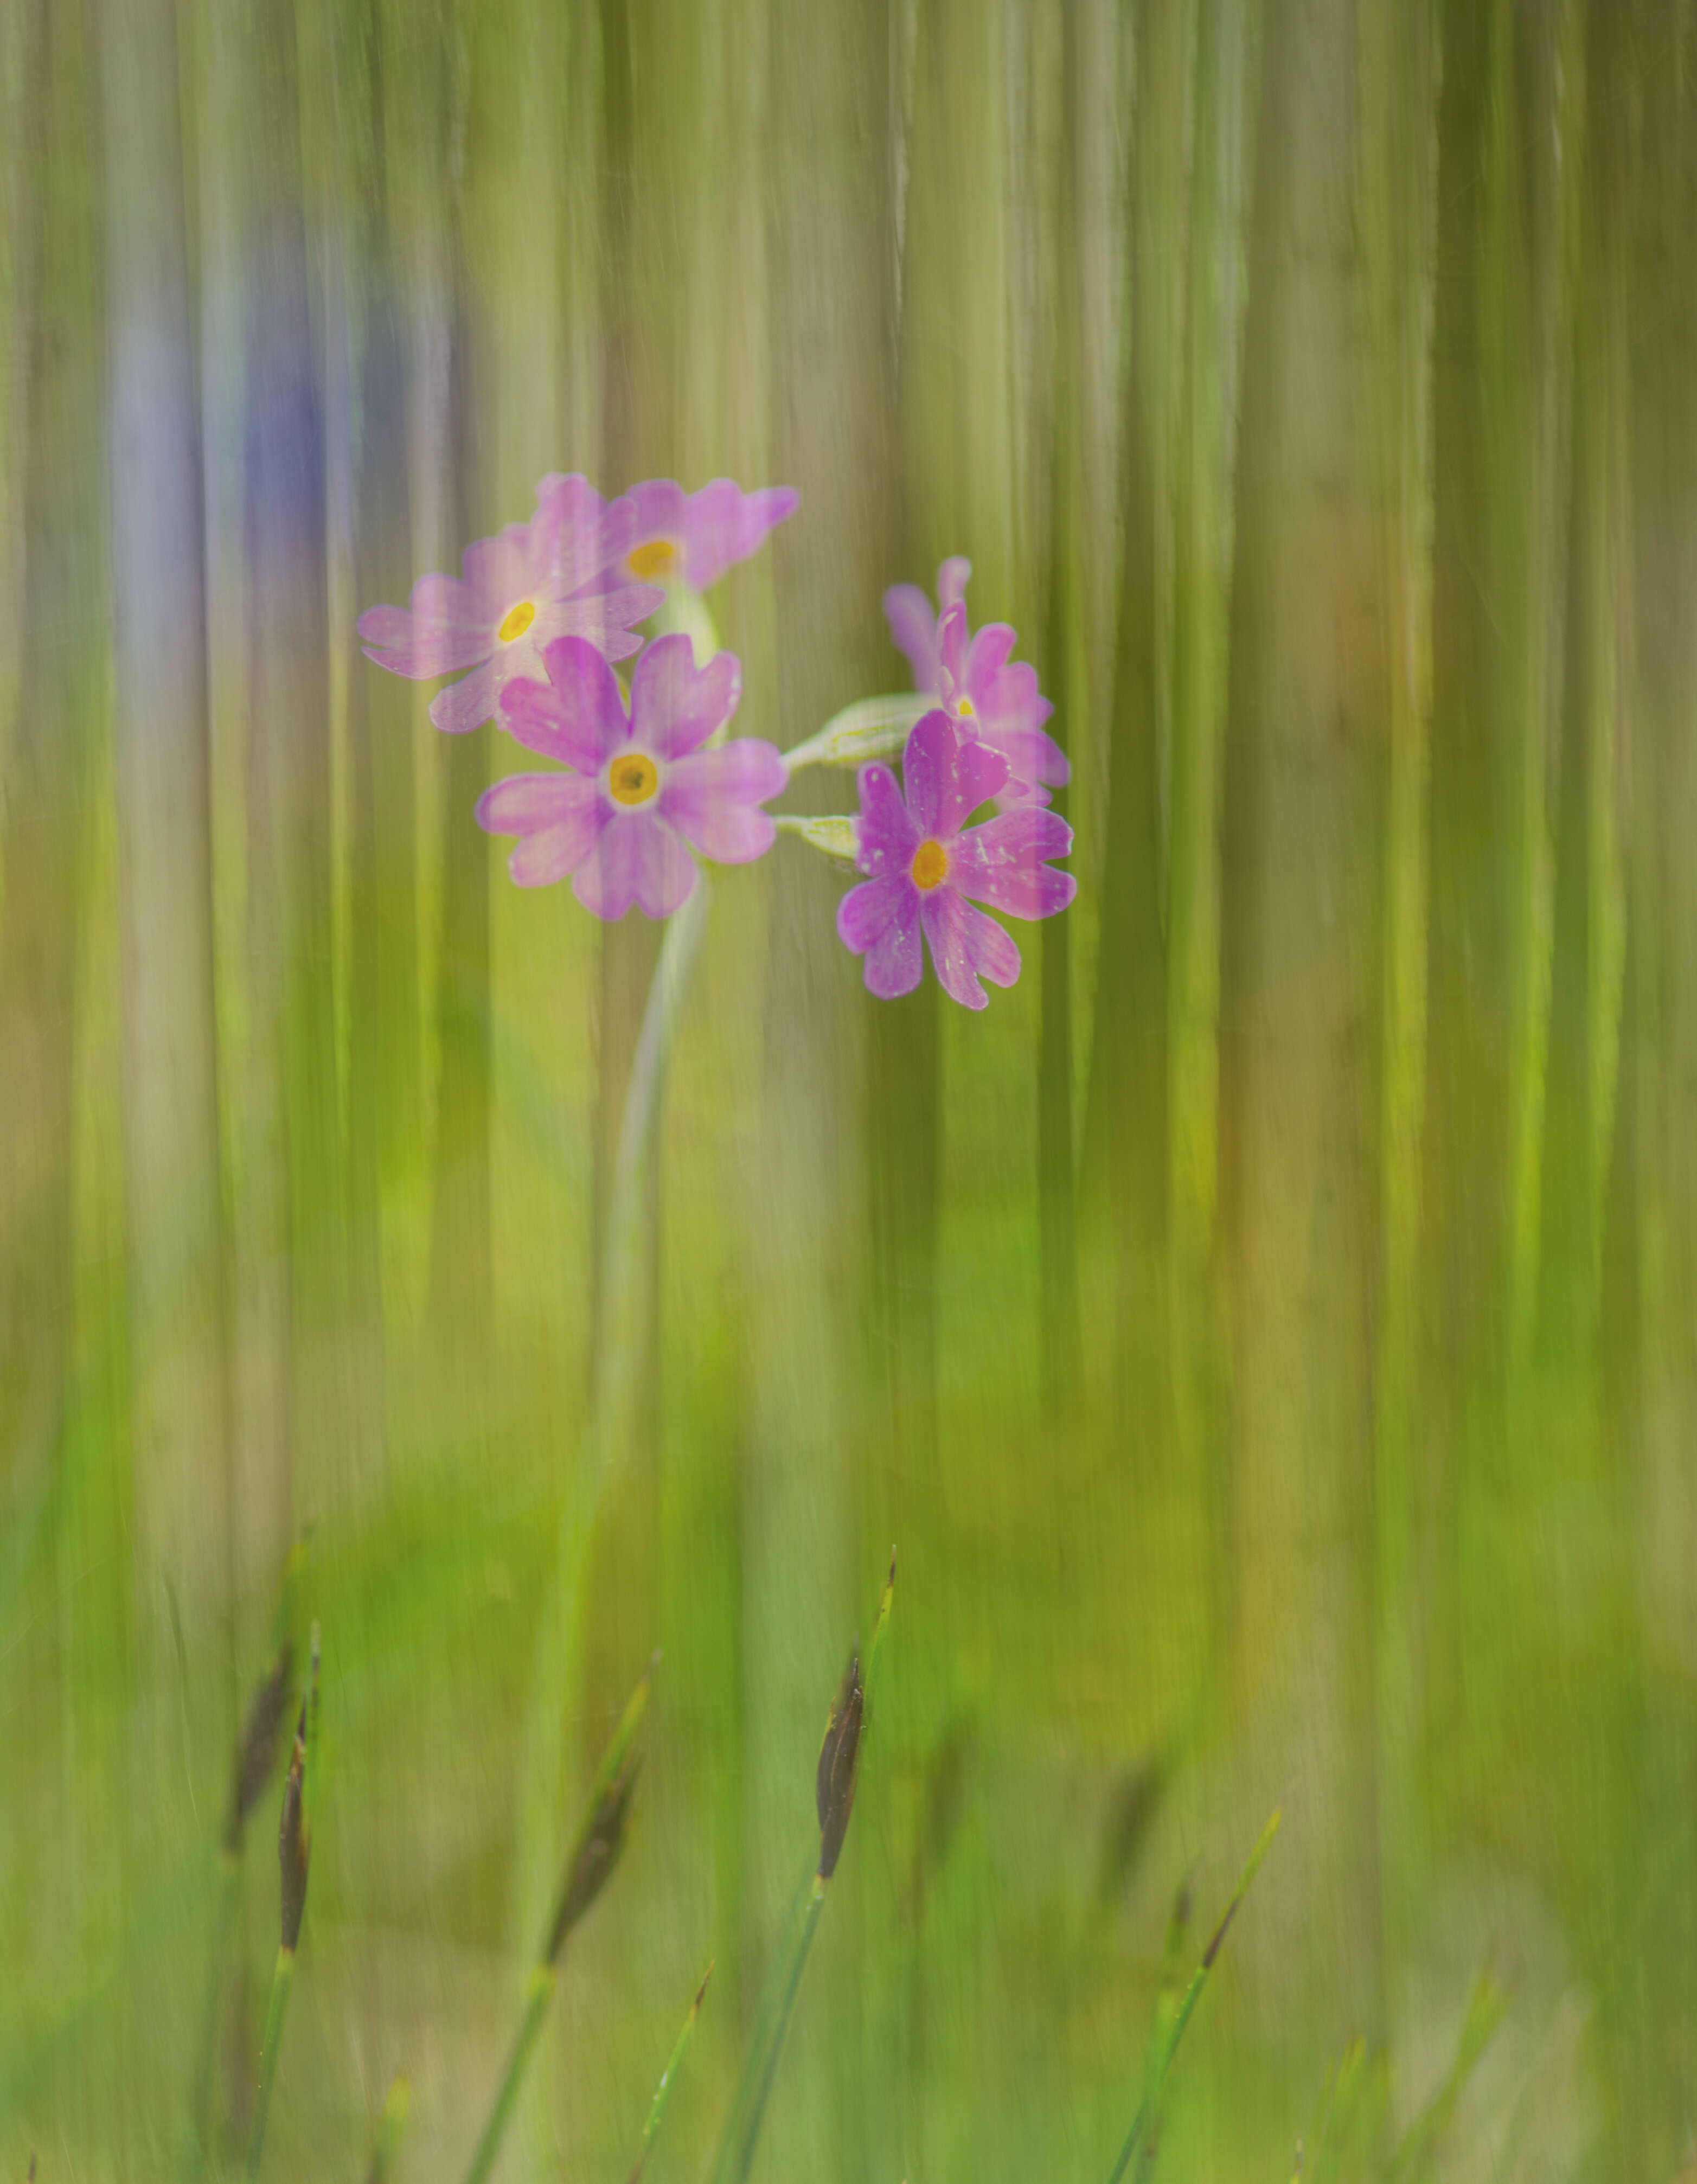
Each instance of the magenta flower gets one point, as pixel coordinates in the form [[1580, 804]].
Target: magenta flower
[[658, 530], [641, 791], [926, 867], [518, 592], [995, 701]]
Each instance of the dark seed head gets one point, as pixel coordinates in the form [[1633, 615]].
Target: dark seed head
[[256, 1749], [292, 1842], [598, 1853], [839, 1757]]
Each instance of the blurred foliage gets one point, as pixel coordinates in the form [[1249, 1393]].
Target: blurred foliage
[[1270, 1331]]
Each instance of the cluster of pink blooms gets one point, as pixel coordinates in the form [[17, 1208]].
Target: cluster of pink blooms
[[643, 778]]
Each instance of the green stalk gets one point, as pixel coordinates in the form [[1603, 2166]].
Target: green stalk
[[536, 2000], [593, 1853], [197, 2140], [737, 2156], [663, 2089], [282, 1982], [1162, 2059], [390, 2126]]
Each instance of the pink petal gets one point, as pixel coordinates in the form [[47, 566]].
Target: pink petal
[[948, 776], [952, 579], [1032, 754], [673, 705], [445, 599], [602, 617], [914, 627], [724, 525], [578, 715], [656, 510], [951, 641], [985, 657], [566, 533], [467, 704], [498, 569], [887, 836], [526, 803], [967, 945], [1002, 863], [880, 921], [710, 798], [637, 859]]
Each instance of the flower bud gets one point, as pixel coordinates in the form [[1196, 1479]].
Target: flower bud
[[839, 1757]]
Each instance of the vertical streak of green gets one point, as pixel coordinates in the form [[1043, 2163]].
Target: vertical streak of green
[[1062, 1343], [748, 2107], [270, 2047], [537, 1995], [1398, 117], [1126, 1164]]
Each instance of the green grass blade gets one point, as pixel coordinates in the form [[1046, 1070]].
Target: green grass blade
[[663, 2091]]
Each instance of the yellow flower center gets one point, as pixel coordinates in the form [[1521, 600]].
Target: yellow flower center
[[963, 708], [659, 558], [632, 778], [929, 863], [517, 622]]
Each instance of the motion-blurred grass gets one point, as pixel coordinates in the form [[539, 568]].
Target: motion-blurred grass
[[1269, 1331]]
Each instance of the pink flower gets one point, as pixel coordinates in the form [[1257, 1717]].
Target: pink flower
[[642, 791], [993, 700], [658, 530], [926, 867], [519, 591]]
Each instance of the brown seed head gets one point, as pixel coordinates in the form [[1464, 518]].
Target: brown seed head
[[839, 1758], [292, 1849], [256, 1749], [598, 1853]]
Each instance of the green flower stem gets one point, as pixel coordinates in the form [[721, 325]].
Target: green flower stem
[[651, 2128], [747, 2111], [536, 2000], [1162, 2061], [390, 2126], [873, 728], [198, 2139], [283, 1983]]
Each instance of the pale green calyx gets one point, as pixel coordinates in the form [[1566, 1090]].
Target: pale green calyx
[[874, 727], [836, 837]]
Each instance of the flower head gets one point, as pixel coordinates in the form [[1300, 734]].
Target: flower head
[[659, 531], [517, 592], [641, 791], [926, 867], [991, 699]]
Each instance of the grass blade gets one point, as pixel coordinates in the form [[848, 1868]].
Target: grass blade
[[1162, 2060], [663, 2089]]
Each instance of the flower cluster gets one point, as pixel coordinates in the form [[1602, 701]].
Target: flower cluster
[[644, 779]]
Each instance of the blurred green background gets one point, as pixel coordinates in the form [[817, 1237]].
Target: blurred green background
[[1269, 1332]]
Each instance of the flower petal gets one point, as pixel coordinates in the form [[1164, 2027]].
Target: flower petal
[[952, 579], [526, 803], [712, 798], [724, 525], [967, 945], [603, 618], [549, 855], [674, 706], [467, 704], [1002, 863], [985, 657], [566, 533], [913, 626], [578, 715], [951, 643], [880, 921], [418, 647], [948, 776], [637, 858], [888, 837], [496, 570]]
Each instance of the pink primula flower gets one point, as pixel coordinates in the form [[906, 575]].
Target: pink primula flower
[[658, 530], [926, 867], [517, 592], [990, 699], [642, 792]]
